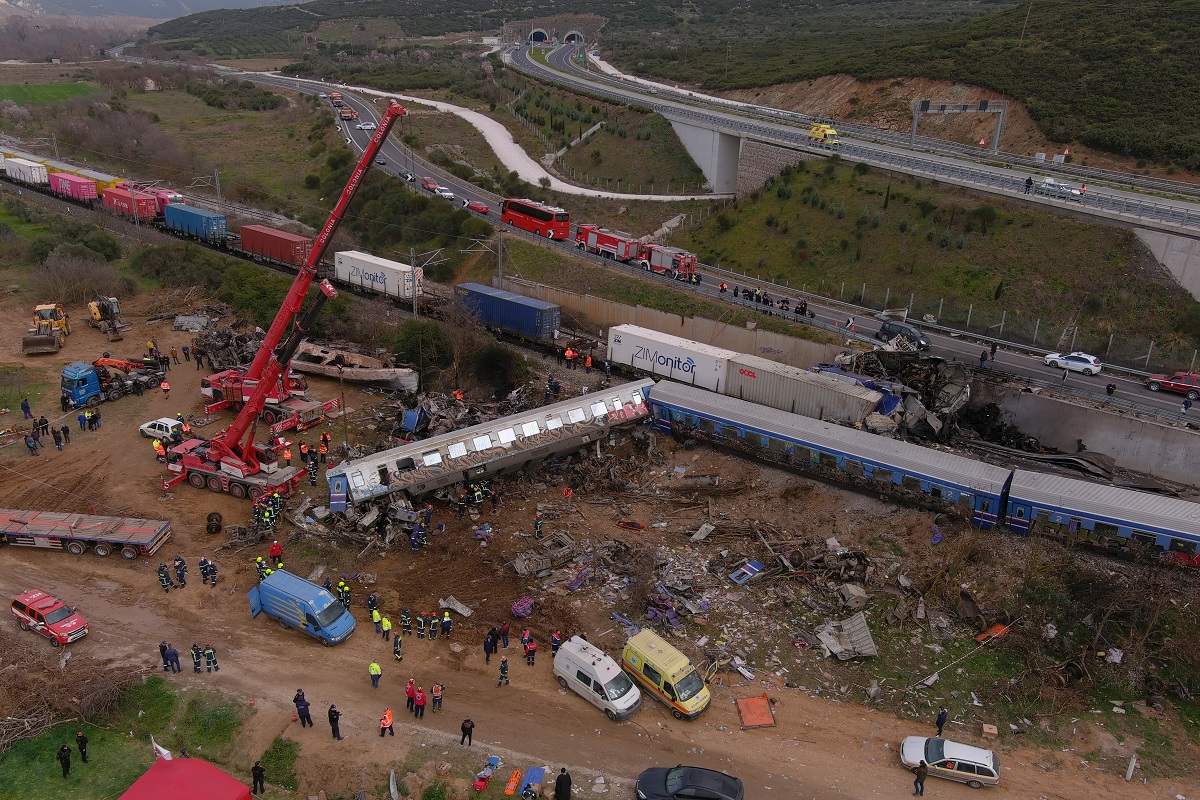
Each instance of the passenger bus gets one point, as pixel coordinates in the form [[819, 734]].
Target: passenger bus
[[535, 217]]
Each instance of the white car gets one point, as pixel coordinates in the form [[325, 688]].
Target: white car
[[444, 193], [161, 428], [964, 763], [1075, 362], [1053, 188], [365, 126]]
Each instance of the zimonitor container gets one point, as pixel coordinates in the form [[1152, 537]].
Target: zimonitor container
[[662, 354], [73, 186], [374, 274], [208, 226], [511, 312], [797, 391], [289, 248]]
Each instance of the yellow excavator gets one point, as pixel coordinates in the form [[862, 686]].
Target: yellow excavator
[[51, 325], [106, 315]]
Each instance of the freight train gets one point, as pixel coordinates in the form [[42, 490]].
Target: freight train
[[1107, 517], [169, 211]]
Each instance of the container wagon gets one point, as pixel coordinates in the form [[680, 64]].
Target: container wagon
[[377, 275], [76, 532], [661, 354], [73, 186], [798, 391], [286, 248], [526, 317], [199, 223], [28, 172], [130, 203]]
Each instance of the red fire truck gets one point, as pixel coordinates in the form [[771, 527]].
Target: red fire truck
[[657, 258], [610, 244], [671, 261]]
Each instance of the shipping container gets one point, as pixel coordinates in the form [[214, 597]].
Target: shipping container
[[73, 186], [201, 223], [20, 169], [122, 201], [510, 312], [661, 354], [374, 274], [798, 391], [288, 248]]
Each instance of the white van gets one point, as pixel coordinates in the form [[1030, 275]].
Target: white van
[[589, 671]]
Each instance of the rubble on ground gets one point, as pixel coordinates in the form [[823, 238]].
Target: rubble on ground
[[229, 346]]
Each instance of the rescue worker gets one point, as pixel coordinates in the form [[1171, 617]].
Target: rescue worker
[[212, 573], [478, 496], [164, 579], [412, 540], [537, 526], [410, 691], [287, 456], [504, 634], [166, 387], [275, 551], [503, 671], [196, 653], [385, 723], [530, 651], [462, 501], [312, 474], [372, 602], [375, 671], [428, 514], [210, 658], [446, 623], [406, 622], [525, 637], [160, 452], [433, 625], [436, 694], [386, 625], [724, 287], [396, 644], [304, 453], [334, 717], [587, 364], [324, 449], [268, 573], [204, 570], [261, 565], [279, 565], [422, 536], [346, 597], [419, 701], [328, 585], [377, 619], [163, 647], [421, 625], [555, 642]]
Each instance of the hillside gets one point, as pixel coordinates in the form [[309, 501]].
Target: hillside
[[148, 9]]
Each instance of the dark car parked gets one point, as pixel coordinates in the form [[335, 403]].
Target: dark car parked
[[690, 783], [890, 330]]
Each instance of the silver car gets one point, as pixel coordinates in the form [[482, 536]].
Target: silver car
[[964, 763], [1075, 362], [1052, 188]]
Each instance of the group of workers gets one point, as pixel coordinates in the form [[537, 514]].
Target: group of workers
[[759, 297], [267, 510], [573, 358], [208, 571]]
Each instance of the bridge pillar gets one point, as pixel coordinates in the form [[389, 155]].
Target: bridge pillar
[[1179, 254], [715, 152]]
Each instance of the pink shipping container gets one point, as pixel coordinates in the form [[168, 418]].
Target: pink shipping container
[[73, 186], [290, 248], [122, 200]]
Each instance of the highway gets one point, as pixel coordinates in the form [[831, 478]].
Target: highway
[[768, 125]]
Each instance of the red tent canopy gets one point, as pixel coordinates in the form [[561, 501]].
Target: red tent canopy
[[186, 779]]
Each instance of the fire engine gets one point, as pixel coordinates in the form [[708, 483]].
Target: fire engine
[[657, 258]]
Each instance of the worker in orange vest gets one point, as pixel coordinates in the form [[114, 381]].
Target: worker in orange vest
[[570, 357], [304, 454], [587, 363], [287, 456], [166, 387], [385, 723], [324, 449], [159, 450]]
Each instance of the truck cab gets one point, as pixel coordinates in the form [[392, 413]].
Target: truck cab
[[84, 386]]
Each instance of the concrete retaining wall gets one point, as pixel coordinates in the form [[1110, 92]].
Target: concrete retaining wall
[[760, 161], [607, 313], [1140, 445]]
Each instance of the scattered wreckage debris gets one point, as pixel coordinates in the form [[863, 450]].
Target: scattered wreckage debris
[[229, 346], [848, 638]]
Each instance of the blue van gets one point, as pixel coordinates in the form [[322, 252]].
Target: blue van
[[303, 605]]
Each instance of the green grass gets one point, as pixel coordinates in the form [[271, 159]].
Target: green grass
[[280, 762], [40, 94], [119, 749]]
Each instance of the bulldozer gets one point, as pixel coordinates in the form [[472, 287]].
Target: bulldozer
[[51, 325], [106, 315]]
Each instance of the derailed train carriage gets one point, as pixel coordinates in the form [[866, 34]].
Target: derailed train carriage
[[502, 446], [1107, 517]]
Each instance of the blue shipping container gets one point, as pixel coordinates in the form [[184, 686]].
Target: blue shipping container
[[198, 222], [510, 312]]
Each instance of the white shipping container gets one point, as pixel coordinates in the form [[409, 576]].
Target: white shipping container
[[661, 354], [797, 391], [375, 274], [26, 171]]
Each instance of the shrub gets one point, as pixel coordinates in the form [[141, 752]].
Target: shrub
[[926, 208], [902, 225]]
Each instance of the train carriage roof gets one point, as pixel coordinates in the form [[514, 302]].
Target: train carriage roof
[[910, 459], [1139, 509]]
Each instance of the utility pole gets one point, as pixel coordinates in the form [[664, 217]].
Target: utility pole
[[1028, 11], [412, 262], [500, 256]]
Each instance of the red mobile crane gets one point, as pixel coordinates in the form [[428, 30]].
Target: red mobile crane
[[232, 461]]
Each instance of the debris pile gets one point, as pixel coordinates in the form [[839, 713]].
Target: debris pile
[[229, 346]]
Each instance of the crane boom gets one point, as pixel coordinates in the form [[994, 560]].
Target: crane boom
[[235, 445], [295, 299]]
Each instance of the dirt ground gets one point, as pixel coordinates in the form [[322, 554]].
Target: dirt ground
[[821, 748], [887, 104]]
